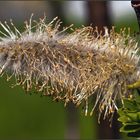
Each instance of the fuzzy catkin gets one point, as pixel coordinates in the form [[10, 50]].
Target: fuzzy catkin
[[71, 66]]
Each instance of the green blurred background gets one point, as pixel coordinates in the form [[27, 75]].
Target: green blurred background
[[31, 116]]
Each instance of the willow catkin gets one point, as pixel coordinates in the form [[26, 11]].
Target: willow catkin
[[71, 67]]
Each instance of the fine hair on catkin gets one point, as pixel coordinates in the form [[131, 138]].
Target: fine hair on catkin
[[72, 67]]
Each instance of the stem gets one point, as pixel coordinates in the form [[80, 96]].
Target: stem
[[136, 5]]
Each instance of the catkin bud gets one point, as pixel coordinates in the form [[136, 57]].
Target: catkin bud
[[71, 66]]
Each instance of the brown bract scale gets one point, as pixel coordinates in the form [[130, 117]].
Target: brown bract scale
[[71, 67]]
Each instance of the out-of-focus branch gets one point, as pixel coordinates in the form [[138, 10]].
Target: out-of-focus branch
[[98, 14], [57, 10], [72, 131]]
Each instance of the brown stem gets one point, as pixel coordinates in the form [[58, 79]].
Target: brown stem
[[136, 5]]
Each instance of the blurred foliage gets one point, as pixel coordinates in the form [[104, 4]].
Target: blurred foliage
[[127, 22], [28, 117], [31, 116]]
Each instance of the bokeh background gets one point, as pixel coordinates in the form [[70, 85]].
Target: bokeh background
[[32, 117]]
